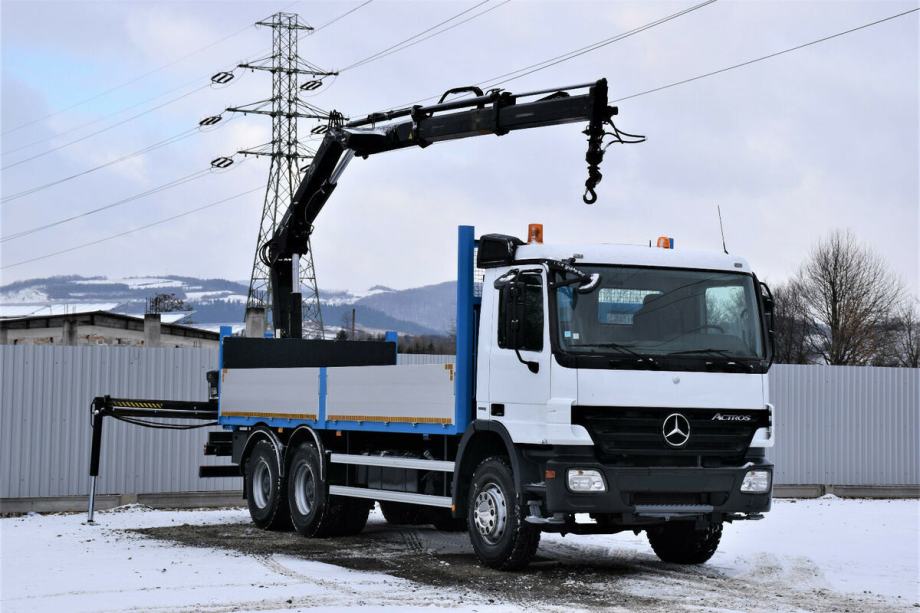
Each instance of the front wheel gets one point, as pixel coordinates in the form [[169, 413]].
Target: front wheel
[[682, 543], [500, 536]]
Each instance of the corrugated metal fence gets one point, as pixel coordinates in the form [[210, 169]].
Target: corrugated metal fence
[[836, 425], [45, 427], [846, 425]]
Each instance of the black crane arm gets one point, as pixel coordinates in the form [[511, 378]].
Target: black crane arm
[[496, 112]]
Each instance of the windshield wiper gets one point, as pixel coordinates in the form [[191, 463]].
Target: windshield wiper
[[565, 267], [729, 362], [722, 352], [640, 359]]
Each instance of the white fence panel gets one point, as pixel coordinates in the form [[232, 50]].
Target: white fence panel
[[835, 425], [45, 393], [846, 425]]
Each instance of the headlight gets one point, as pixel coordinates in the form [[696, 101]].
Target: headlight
[[581, 480], [756, 481]]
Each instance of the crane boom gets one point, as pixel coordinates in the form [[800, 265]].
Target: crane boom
[[495, 112]]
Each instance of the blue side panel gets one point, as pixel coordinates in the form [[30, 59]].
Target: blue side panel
[[322, 398], [463, 391], [225, 331]]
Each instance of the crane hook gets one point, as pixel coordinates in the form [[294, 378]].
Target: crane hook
[[590, 197]]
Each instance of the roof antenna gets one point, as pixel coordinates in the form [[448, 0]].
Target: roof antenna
[[722, 229]]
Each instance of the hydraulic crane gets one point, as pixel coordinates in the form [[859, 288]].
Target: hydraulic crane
[[495, 112]]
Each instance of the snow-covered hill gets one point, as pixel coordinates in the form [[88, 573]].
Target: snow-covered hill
[[424, 310]]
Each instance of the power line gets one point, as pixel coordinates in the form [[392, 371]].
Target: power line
[[575, 52], [137, 104], [494, 81], [105, 129], [381, 55], [160, 188], [766, 57], [163, 143], [94, 121], [342, 16], [131, 231], [140, 152], [137, 78], [413, 37]]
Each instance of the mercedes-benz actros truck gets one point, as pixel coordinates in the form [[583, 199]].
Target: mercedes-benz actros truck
[[595, 388]]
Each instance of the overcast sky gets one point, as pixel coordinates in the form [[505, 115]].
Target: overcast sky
[[791, 148]]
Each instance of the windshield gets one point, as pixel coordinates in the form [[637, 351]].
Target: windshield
[[661, 312]]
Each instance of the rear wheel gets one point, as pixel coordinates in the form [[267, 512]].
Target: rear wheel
[[265, 488], [682, 543], [500, 536], [314, 512]]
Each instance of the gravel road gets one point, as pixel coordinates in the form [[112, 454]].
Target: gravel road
[[567, 574]]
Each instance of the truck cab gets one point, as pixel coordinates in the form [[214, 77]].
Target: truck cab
[[631, 382]]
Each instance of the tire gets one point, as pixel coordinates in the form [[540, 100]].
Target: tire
[[500, 536], [402, 514], [443, 520], [265, 489], [307, 494], [352, 513], [681, 543], [314, 513]]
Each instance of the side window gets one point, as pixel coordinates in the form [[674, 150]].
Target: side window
[[532, 320]]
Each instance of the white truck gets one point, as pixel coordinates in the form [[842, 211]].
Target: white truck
[[595, 389]]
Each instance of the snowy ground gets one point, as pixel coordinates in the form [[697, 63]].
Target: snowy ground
[[821, 555]]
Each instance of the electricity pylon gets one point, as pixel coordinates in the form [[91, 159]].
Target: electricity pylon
[[286, 152]]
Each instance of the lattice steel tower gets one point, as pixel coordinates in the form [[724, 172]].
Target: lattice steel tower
[[286, 152]]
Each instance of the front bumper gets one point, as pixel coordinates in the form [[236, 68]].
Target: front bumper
[[639, 494]]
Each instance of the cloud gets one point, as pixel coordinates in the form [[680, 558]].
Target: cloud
[[790, 148]]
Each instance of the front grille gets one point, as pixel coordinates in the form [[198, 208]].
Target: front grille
[[676, 498], [634, 435]]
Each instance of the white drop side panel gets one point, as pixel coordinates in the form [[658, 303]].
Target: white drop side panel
[[270, 392], [402, 394]]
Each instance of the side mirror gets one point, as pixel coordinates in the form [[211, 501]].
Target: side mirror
[[513, 295], [507, 278], [769, 307]]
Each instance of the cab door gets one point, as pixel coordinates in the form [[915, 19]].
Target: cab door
[[517, 394]]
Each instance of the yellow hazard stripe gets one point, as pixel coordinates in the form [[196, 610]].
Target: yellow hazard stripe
[[390, 419], [134, 404], [310, 416]]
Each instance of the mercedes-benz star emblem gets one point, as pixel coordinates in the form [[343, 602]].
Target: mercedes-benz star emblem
[[676, 430]]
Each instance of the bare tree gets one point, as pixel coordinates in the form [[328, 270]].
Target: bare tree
[[851, 294], [794, 327], [907, 334]]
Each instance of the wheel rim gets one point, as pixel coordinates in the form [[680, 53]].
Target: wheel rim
[[490, 514], [304, 488], [261, 484]]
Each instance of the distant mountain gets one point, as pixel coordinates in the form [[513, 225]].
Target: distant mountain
[[432, 306], [212, 302]]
